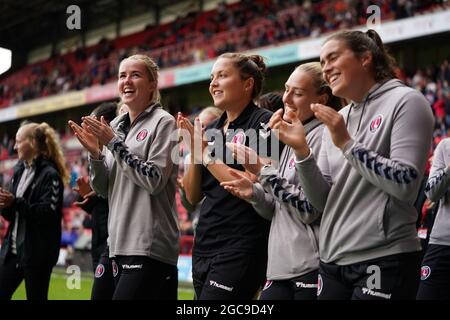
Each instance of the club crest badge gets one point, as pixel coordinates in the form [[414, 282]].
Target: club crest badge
[[376, 122], [425, 272], [115, 268], [292, 163], [239, 138], [319, 285], [142, 135], [99, 271]]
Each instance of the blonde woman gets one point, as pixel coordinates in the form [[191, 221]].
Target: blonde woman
[[33, 206], [136, 173], [293, 253]]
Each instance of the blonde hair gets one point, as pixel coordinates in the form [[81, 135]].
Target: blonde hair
[[213, 111], [46, 143], [314, 69], [153, 73]]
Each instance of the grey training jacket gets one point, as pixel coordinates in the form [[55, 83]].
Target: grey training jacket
[[367, 191], [437, 189], [293, 240], [137, 175]]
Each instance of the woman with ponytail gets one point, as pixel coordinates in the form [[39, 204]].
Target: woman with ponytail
[[230, 250], [135, 171], [368, 173], [33, 206], [293, 253]]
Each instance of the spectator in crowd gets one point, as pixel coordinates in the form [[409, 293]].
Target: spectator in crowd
[[249, 25], [69, 236]]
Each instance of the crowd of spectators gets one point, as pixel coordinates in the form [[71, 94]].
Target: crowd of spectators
[[199, 36], [434, 83]]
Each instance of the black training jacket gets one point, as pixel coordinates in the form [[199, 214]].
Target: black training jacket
[[40, 212]]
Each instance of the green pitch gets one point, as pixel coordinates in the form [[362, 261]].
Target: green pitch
[[59, 291]]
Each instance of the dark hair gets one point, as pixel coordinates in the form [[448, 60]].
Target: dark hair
[[360, 42], [107, 109], [249, 66], [315, 71], [271, 101]]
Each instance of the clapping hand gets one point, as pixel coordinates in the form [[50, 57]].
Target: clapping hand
[[6, 198]]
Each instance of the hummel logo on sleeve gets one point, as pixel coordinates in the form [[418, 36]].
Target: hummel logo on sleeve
[[220, 286], [398, 173]]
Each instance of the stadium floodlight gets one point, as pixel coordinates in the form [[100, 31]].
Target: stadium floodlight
[[5, 59]]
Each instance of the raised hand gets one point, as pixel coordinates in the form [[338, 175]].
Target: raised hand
[[86, 198], [83, 187], [100, 129], [88, 140], [193, 137], [247, 157], [186, 131], [334, 122], [290, 132], [200, 142], [242, 187]]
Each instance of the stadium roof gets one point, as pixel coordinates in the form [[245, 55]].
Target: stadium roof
[[27, 24]]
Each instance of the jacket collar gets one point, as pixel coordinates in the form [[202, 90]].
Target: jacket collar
[[310, 125], [123, 121], [241, 119], [37, 164]]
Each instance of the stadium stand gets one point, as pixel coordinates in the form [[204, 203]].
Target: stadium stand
[[197, 37]]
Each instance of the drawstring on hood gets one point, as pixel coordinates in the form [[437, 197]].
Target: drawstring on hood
[[373, 93]]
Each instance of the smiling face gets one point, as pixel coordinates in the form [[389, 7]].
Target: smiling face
[[227, 88], [24, 146], [344, 71], [299, 93], [134, 84]]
